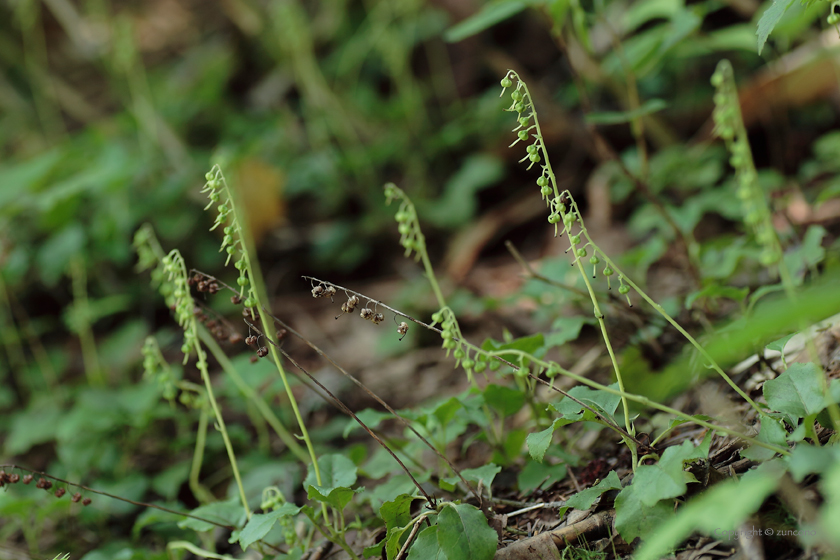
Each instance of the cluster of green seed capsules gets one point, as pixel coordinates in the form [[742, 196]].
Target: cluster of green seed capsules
[[232, 239], [521, 104], [411, 238], [452, 340], [182, 302], [730, 127], [152, 369]]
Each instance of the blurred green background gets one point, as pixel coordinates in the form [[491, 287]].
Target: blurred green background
[[113, 111]]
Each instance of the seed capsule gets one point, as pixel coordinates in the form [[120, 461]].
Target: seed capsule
[[262, 352], [378, 318], [402, 329], [366, 313]]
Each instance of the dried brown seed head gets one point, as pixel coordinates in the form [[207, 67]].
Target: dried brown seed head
[[236, 300], [378, 318], [86, 502], [42, 482], [318, 291], [251, 340], [60, 492], [366, 313], [27, 478], [14, 478], [76, 497], [262, 352], [281, 334]]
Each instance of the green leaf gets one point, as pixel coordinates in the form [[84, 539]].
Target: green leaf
[[504, 400], [261, 523], [807, 255], [769, 20], [337, 497], [484, 474], [797, 391], [336, 471], [538, 442], [667, 478], [715, 291], [426, 547], [830, 512], [374, 550], [534, 474], [601, 401], [489, 15], [229, 513], [772, 431], [585, 498], [565, 329], [634, 519], [463, 533], [152, 516], [779, 345], [722, 508], [621, 117], [36, 425], [459, 200], [397, 512], [446, 410], [56, 252], [806, 459], [526, 344], [370, 417]]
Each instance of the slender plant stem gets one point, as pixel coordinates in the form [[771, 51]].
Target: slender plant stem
[[204, 496], [83, 327], [263, 408], [257, 291], [220, 422]]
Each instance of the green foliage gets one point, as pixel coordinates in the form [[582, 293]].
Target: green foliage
[[352, 96]]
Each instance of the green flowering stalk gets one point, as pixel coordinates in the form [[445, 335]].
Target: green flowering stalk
[[170, 273], [411, 237], [729, 125], [233, 243], [564, 209]]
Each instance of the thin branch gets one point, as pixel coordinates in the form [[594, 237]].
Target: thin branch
[[358, 383], [536, 275], [120, 498], [345, 409], [606, 420]]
